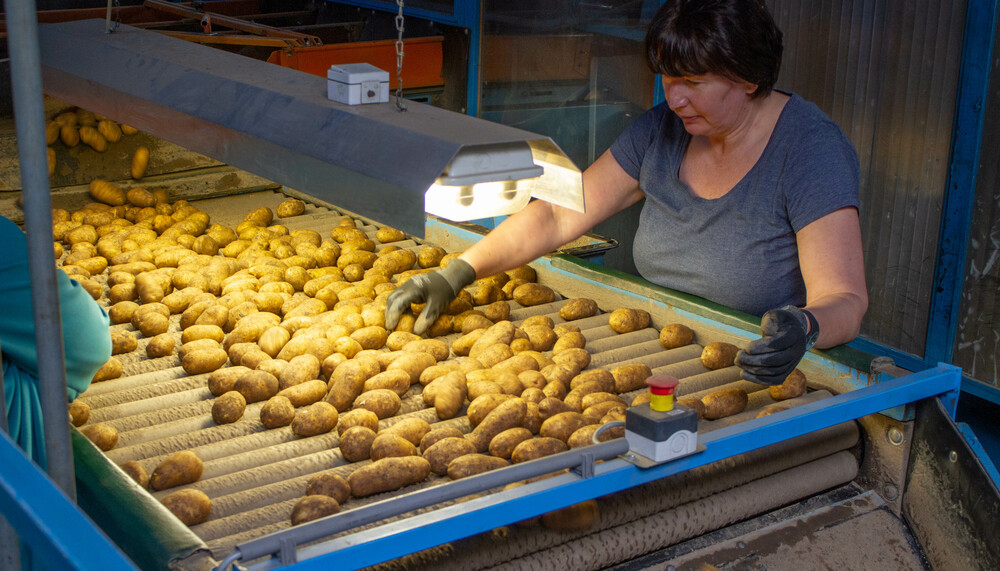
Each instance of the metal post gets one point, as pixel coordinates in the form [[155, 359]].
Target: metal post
[[29, 117]]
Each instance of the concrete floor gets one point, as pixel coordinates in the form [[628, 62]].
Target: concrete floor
[[846, 528]]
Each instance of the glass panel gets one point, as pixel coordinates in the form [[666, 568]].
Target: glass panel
[[573, 70]]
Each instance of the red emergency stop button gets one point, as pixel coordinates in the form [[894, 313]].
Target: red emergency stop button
[[661, 389]]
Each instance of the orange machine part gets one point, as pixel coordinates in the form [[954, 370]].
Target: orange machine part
[[422, 59]]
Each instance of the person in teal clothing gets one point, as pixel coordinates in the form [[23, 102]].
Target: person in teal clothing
[[86, 341]]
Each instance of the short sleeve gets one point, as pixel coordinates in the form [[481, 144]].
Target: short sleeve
[[823, 176], [629, 149]]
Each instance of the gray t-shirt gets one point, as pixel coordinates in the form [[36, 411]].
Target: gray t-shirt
[[739, 249]]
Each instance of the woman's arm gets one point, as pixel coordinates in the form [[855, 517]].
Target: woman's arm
[[831, 260], [542, 227]]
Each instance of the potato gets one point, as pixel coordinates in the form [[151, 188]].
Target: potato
[[329, 484], [726, 402], [371, 337], [189, 505], [694, 404], [508, 414], [438, 434], [464, 344], [604, 379], [530, 294], [104, 436], [630, 377], [472, 464], [290, 207], [195, 332], [317, 418], [109, 130], [771, 409], [574, 518], [626, 320], [306, 393], [112, 369], [228, 408], [578, 309], [503, 444], [483, 405], [412, 429], [574, 358], [122, 312], [537, 448], [496, 311], [79, 413], [347, 382], [718, 355], [430, 256], [383, 402], [178, 469], [256, 386], [584, 436], [562, 425], [140, 160], [541, 338], [566, 341], [594, 413], [676, 335], [261, 215], [357, 417], [136, 471], [389, 445], [551, 406], [300, 369], [437, 348], [794, 386], [312, 507], [103, 191], [122, 342], [203, 360], [413, 364], [356, 443], [388, 474], [277, 412], [151, 324]]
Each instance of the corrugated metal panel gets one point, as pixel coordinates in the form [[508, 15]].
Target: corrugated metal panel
[[977, 345], [887, 72]]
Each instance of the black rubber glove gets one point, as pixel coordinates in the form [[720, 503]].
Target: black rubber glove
[[788, 333], [436, 288]]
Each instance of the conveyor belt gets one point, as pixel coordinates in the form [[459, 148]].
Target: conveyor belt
[[254, 475]]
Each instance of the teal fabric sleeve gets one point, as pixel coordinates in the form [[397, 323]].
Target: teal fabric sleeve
[[86, 340]]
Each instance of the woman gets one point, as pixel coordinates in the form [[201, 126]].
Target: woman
[[751, 195]]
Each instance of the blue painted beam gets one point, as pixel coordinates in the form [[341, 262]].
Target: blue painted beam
[[960, 189], [59, 534], [477, 515]]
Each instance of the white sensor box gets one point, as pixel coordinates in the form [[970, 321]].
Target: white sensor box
[[357, 83]]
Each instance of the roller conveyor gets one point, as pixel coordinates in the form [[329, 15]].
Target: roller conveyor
[[254, 476]]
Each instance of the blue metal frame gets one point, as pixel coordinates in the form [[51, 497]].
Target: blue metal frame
[[481, 514], [59, 534], [979, 451], [946, 297], [467, 14]]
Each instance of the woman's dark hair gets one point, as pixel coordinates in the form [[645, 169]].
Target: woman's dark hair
[[737, 39]]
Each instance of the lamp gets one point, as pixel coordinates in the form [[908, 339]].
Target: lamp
[[278, 123]]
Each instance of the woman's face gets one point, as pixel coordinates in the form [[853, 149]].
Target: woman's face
[[710, 104]]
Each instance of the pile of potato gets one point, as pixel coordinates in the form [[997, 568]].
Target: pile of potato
[[77, 126], [296, 321]]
